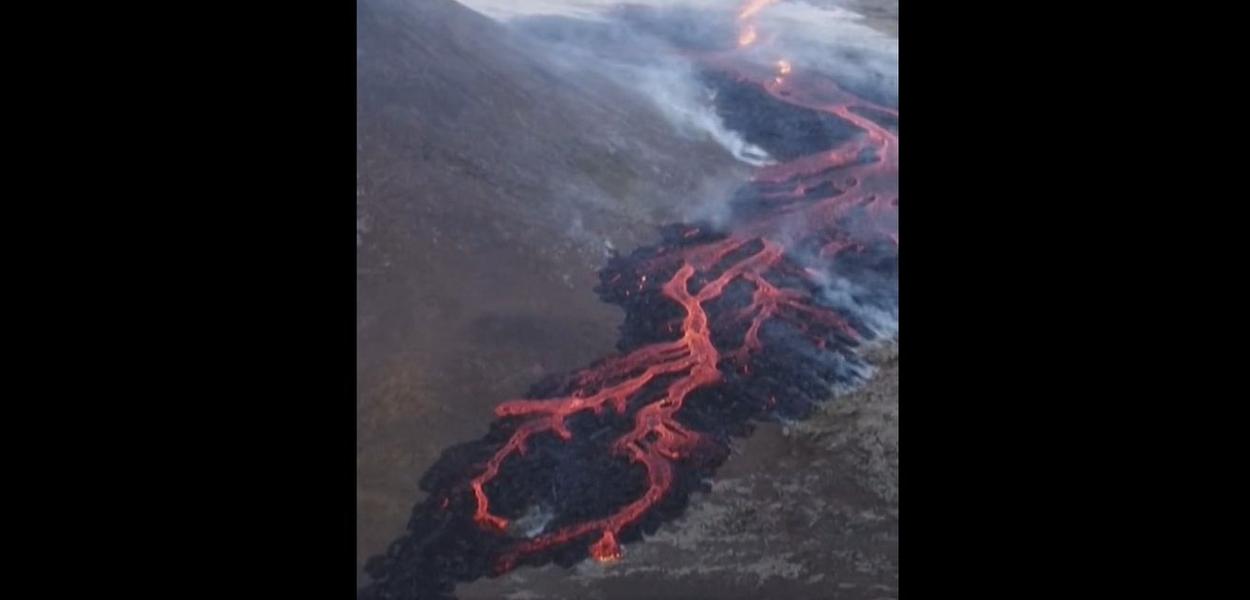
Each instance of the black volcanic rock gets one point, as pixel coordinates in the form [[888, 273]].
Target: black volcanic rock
[[489, 188], [488, 193], [785, 131]]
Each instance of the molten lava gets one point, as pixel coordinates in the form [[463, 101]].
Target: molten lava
[[747, 37], [717, 314], [692, 361], [606, 549], [746, 28], [657, 438]]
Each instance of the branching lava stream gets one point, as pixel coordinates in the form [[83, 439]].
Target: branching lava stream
[[726, 323]]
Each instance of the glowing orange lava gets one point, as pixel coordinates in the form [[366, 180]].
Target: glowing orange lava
[[864, 171], [747, 37], [746, 29], [753, 316], [657, 438], [606, 549]]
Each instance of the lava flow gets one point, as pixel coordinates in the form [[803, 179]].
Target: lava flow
[[657, 438], [746, 28], [725, 325]]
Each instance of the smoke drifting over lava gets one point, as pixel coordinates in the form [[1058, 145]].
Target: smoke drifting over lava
[[648, 47], [755, 307]]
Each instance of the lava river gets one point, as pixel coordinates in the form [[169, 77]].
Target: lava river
[[758, 316]]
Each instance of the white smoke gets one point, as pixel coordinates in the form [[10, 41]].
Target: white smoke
[[832, 40], [689, 107], [503, 10], [642, 54], [825, 37]]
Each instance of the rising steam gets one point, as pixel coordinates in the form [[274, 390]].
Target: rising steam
[[645, 51]]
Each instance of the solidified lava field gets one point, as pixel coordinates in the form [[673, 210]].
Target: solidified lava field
[[754, 317]]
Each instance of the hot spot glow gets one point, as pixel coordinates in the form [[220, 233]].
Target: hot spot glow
[[606, 549], [752, 7], [747, 36], [650, 384], [727, 324]]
